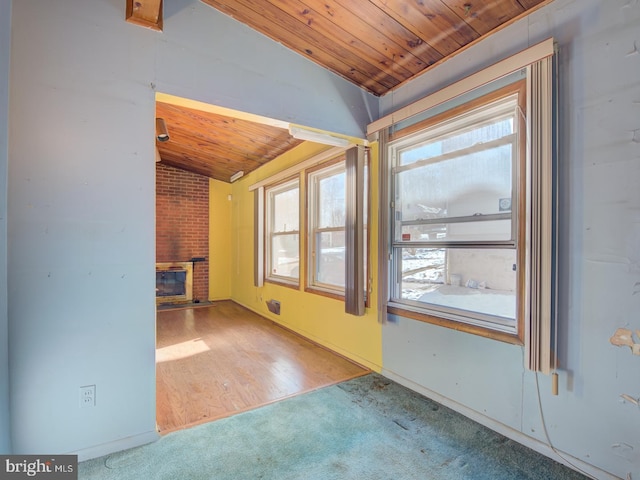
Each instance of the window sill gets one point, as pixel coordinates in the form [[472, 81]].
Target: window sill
[[282, 283], [325, 293], [515, 339]]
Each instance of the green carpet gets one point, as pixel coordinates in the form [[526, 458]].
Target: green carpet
[[367, 428]]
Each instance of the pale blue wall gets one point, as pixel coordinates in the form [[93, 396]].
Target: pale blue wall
[[5, 43], [80, 227], [81, 196], [599, 252]]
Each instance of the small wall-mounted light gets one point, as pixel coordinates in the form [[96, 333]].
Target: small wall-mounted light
[[236, 176], [162, 134]]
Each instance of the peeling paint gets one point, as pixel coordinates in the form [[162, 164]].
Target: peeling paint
[[623, 450], [630, 399], [623, 337]]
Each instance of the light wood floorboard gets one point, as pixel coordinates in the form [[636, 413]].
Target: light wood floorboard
[[223, 359]]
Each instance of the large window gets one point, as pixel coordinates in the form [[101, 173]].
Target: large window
[[457, 194], [469, 176], [283, 232]]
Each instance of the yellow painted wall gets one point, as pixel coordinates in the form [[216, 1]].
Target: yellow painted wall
[[220, 234], [318, 318]]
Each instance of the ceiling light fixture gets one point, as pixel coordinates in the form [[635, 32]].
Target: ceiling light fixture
[[317, 137], [236, 176], [162, 134]]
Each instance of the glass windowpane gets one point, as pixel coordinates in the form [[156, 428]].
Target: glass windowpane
[[330, 258], [481, 281], [470, 185], [331, 199], [285, 260], [286, 216]]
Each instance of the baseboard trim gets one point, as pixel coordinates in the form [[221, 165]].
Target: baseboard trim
[[116, 446], [363, 362], [515, 435]]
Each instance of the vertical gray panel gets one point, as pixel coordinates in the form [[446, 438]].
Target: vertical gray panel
[[354, 235], [383, 226]]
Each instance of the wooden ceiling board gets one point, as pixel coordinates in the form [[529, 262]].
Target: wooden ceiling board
[[409, 45], [211, 129], [357, 28], [217, 145], [432, 21], [484, 16], [339, 30]]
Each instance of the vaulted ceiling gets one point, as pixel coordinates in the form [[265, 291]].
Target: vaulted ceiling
[[376, 44]]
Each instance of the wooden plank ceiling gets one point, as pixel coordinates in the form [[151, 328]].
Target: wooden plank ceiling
[[218, 146], [376, 44]]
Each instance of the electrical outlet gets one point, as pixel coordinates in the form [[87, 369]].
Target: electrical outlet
[[88, 396]]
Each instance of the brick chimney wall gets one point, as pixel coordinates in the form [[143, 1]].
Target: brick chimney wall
[[182, 222]]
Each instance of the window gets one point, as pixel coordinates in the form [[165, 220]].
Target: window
[[327, 217], [469, 174], [335, 229], [457, 193], [282, 247]]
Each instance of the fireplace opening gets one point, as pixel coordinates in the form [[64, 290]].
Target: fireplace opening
[[174, 282]]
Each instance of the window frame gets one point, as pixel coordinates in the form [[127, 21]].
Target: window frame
[[312, 178], [450, 317], [270, 192], [357, 270]]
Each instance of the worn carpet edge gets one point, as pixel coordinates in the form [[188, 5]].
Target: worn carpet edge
[[368, 427]]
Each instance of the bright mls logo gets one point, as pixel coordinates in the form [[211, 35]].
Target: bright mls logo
[[45, 467]]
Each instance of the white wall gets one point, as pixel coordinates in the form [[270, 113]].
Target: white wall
[[5, 42], [599, 252], [81, 196]]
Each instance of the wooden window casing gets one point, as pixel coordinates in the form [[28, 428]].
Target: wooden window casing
[[431, 315]]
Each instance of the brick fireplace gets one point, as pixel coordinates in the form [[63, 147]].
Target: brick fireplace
[[182, 234]]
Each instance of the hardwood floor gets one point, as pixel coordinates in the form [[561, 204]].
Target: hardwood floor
[[222, 359]]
